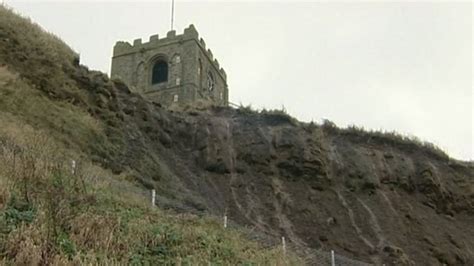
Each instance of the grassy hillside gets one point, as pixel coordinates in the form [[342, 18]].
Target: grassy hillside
[[48, 215], [371, 196], [53, 111]]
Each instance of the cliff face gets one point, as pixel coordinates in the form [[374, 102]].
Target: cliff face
[[369, 196]]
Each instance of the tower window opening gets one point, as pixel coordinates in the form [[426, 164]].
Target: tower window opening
[[200, 74], [210, 81], [160, 72]]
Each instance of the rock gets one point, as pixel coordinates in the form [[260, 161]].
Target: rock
[[331, 221]]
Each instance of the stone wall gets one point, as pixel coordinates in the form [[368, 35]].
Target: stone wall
[[188, 66]]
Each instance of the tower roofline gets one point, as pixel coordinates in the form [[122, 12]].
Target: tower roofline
[[190, 33]]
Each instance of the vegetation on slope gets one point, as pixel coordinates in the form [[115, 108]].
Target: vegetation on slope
[[357, 133], [49, 215], [316, 185], [50, 113]]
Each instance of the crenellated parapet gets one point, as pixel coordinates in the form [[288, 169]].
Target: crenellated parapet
[[203, 43], [211, 58], [209, 54], [122, 48], [174, 68]]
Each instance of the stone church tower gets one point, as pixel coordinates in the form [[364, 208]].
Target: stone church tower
[[176, 69]]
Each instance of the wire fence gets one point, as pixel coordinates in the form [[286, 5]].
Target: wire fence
[[320, 257], [309, 256], [324, 258]]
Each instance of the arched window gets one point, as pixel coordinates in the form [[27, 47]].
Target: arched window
[[160, 72], [210, 81]]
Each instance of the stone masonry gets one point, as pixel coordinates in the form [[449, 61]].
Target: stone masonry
[[176, 69]]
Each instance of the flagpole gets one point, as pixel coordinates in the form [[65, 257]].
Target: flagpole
[[172, 14]]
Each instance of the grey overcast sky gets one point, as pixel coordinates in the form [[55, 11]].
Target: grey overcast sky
[[403, 66]]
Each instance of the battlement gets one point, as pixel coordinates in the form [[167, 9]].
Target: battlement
[[190, 33], [176, 68], [123, 47]]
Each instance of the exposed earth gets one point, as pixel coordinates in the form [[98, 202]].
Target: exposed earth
[[377, 198]]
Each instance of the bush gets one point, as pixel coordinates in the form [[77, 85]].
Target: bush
[[18, 212]]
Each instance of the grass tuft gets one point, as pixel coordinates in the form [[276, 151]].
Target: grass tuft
[[50, 215]]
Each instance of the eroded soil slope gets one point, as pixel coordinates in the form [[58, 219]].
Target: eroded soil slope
[[369, 196]]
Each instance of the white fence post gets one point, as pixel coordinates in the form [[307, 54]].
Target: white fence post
[[225, 221], [153, 197], [73, 167], [333, 258], [283, 245]]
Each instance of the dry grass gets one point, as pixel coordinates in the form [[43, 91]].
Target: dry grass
[[375, 136], [391, 138], [50, 216], [6, 76], [29, 40], [66, 122]]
